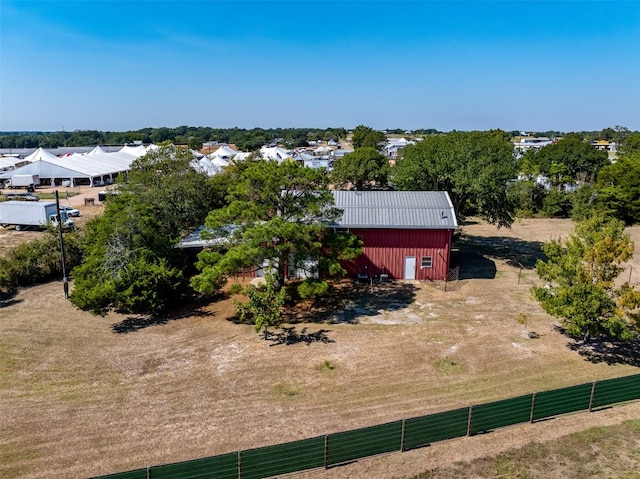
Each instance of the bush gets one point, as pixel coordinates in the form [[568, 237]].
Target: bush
[[557, 204], [39, 261]]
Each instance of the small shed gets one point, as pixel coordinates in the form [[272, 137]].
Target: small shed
[[406, 234]]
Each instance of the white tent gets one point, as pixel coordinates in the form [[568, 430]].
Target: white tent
[[209, 166], [242, 156], [137, 151], [224, 152], [98, 168], [275, 153], [96, 151], [9, 163], [40, 154]]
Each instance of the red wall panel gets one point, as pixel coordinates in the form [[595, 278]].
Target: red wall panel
[[385, 250]]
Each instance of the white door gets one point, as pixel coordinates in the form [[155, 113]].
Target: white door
[[409, 267]]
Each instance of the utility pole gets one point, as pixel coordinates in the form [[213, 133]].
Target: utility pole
[[65, 283]]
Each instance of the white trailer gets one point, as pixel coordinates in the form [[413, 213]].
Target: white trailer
[[27, 214], [24, 181]]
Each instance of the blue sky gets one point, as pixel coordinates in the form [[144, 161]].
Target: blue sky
[[470, 65]]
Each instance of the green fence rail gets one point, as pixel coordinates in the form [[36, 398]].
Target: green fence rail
[[136, 474], [421, 431], [369, 441], [338, 448], [612, 391], [486, 417], [224, 466], [561, 401], [283, 458]]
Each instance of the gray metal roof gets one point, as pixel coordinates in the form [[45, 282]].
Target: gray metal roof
[[395, 209]]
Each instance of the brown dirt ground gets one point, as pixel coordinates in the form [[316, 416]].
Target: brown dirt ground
[[84, 395]]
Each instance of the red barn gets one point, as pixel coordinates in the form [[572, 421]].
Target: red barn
[[406, 234]]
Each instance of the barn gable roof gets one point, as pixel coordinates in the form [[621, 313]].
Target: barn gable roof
[[395, 209]]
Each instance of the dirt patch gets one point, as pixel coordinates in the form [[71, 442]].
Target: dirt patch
[[84, 395]]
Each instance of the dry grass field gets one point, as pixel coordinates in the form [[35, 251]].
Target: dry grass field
[[83, 395]]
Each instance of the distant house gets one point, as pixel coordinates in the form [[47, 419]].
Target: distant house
[[406, 234], [311, 161], [394, 146], [340, 153], [535, 143]]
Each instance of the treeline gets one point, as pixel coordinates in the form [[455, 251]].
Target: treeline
[[194, 137], [245, 140]]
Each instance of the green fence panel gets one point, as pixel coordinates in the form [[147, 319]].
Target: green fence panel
[[611, 391], [485, 417], [420, 431], [135, 474], [562, 401], [282, 458], [224, 466], [369, 441]]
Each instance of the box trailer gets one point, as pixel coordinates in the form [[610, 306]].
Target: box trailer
[[26, 214], [24, 181]]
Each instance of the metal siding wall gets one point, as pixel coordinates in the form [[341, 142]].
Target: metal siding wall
[[387, 248]]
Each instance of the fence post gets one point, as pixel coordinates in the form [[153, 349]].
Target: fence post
[[533, 407], [469, 421], [148, 472], [404, 423], [239, 464], [593, 390], [326, 450], [519, 273]]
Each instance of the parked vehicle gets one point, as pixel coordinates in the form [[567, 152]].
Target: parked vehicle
[[70, 211], [24, 214], [23, 196], [24, 181]]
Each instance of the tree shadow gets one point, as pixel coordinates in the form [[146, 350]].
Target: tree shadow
[[475, 255], [9, 299], [608, 352], [192, 307], [289, 336], [350, 300], [472, 264]]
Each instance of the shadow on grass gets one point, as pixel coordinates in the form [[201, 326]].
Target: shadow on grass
[[192, 307], [602, 351], [609, 352], [349, 300], [7, 300], [289, 336], [475, 255]]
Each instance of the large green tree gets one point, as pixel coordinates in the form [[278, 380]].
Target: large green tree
[[473, 167], [580, 274], [131, 264], [277, 216], [618, 188], [581, 160], [365, 136], [363, 169]]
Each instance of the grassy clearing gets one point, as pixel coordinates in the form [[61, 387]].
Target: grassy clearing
[[612, 451], [79, 399]]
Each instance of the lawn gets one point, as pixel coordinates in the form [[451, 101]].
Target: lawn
[[83, 395]]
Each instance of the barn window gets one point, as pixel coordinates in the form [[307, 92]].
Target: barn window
[[427, 262]]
